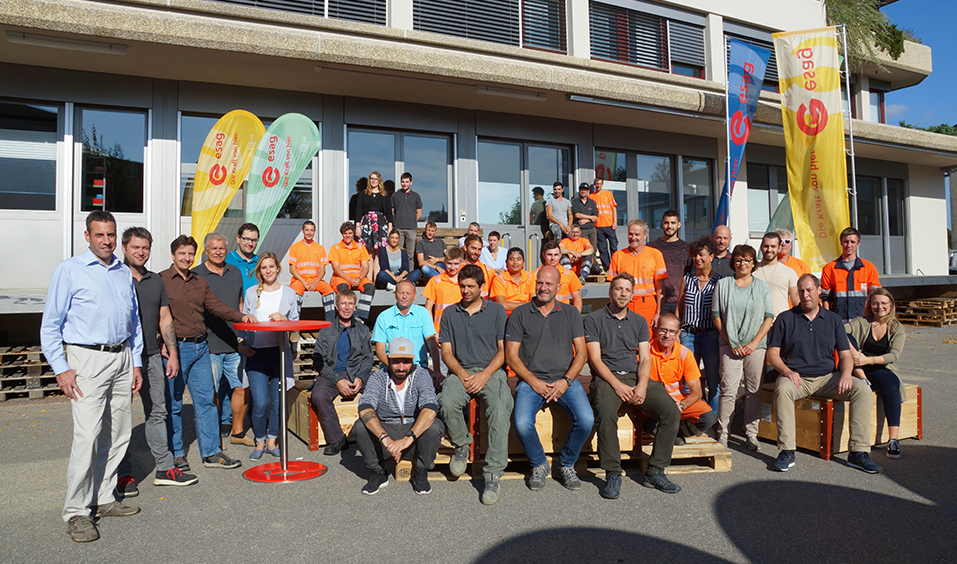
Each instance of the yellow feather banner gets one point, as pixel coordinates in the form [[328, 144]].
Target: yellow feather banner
[[814, 140], [224, 162]]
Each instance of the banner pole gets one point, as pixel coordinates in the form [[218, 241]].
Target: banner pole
[[850, 127], [727, 130]]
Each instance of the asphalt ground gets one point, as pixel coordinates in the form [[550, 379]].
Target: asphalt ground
[[820, 511]]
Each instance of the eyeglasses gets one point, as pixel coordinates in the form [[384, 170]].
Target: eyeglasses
[[743, 261], [667, 332], [248, 240], [786, 241]]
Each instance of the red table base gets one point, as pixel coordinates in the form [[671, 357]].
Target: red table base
[[296, 471]]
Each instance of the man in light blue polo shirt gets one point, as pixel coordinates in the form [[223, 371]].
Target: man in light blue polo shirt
[[410, 321], [244, 257]]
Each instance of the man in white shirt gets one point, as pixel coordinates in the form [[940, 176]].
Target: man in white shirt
[[783, 280]]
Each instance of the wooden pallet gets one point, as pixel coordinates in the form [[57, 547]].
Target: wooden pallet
[[20, 354], [928, 319], [928, 312], [935, 303], [21, 391]]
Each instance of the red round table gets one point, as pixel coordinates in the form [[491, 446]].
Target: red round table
[[284, 471]]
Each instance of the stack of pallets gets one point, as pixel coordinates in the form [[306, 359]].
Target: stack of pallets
[[24, 373], [928, 312]]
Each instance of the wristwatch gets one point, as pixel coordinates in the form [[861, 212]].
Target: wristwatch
[[411, 434], [567, 381]]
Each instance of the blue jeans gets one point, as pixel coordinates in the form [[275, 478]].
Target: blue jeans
[[385, 277], [607, 244], [225, 368], [706, 346], [429, 272], [195, 371], [574, 402], [262, 370]]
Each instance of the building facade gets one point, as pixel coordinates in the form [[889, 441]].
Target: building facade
[[105, 106]]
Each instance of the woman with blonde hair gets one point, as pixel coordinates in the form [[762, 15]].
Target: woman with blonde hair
[[374, 211], [263, 349], [877, 340]]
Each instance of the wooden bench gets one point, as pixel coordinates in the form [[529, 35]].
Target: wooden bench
[[822, 425], [699, 455]]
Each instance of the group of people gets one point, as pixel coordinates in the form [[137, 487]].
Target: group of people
[[514, 339]]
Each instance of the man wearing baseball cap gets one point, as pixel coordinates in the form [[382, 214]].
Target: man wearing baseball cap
[[397, 419]]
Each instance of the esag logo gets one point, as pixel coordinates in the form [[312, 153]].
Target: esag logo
[[818, 119], [217, 174], [270, 177]]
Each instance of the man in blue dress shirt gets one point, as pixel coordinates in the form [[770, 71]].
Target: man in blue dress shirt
[[91, 308]]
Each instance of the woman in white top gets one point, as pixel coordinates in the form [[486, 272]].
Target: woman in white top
[[275, 302], [493, 256]]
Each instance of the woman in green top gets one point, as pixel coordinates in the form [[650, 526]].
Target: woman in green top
[[743, 315], [877, 340]]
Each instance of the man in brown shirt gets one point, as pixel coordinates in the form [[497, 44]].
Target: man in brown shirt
[[189, 295]]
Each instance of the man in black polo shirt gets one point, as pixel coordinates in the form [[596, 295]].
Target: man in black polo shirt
[[471, 335], [585, 214], [613, 334], [156, 317], [430, 253], [801, 348], [545, 346], [226, 282]]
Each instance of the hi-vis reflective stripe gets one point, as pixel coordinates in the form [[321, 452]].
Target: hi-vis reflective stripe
[[644, 281], [644, 291], [440, 307], [661, 271], [851, 294], [684, 353], [351, 268]]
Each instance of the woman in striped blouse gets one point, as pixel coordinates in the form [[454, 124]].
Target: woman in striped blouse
[[698, 333]]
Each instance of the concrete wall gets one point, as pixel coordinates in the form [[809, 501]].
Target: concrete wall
[[926, 211]]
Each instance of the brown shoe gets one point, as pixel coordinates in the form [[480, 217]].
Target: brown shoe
[[116, 509], [82, 529], [242, 440]]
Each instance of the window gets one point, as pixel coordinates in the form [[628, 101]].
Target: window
[[28, 138], [697, 189], [849, 108], [869, 205], [426, 157], [298, 204], [611, 167], [767, 188], [509, 169], [114, 146], [876, 103], [485, 20], [648, 39], [655, 186], [543, 25], [362, 11]]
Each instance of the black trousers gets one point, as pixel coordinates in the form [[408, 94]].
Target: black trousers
[[374, 453]]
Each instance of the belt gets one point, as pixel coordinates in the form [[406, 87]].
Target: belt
[[196, 339], [102, 348], [696, 330], [621, 372]]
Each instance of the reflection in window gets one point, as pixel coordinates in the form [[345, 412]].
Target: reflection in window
[[767, 188], [697, 179], [28, 137], [371, 151], [610, 166], [427, 160], [876, 102], [546, 166], [895, 206], [114, 144], [298, 204], [869, 206], [499, 183], [654, 188]]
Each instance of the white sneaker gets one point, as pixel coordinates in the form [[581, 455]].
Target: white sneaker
[[390, 287]]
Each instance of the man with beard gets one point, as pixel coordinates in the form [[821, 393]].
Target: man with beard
[[677, 259], [783, 280], [397, 419]]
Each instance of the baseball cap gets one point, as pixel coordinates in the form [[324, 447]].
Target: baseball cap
[[400, 347]]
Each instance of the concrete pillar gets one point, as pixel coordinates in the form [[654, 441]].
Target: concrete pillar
[[399, 14], [716, 68], [577, 28]]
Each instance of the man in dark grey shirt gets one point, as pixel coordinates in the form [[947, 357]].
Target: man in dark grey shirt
[[613, 334], [545, 346], [430, 253], [406, 212], [226, 282], [155, 316], [677, 259], [585, 213], [471, 335]]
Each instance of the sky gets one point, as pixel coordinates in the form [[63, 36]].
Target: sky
[[933, 101]]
